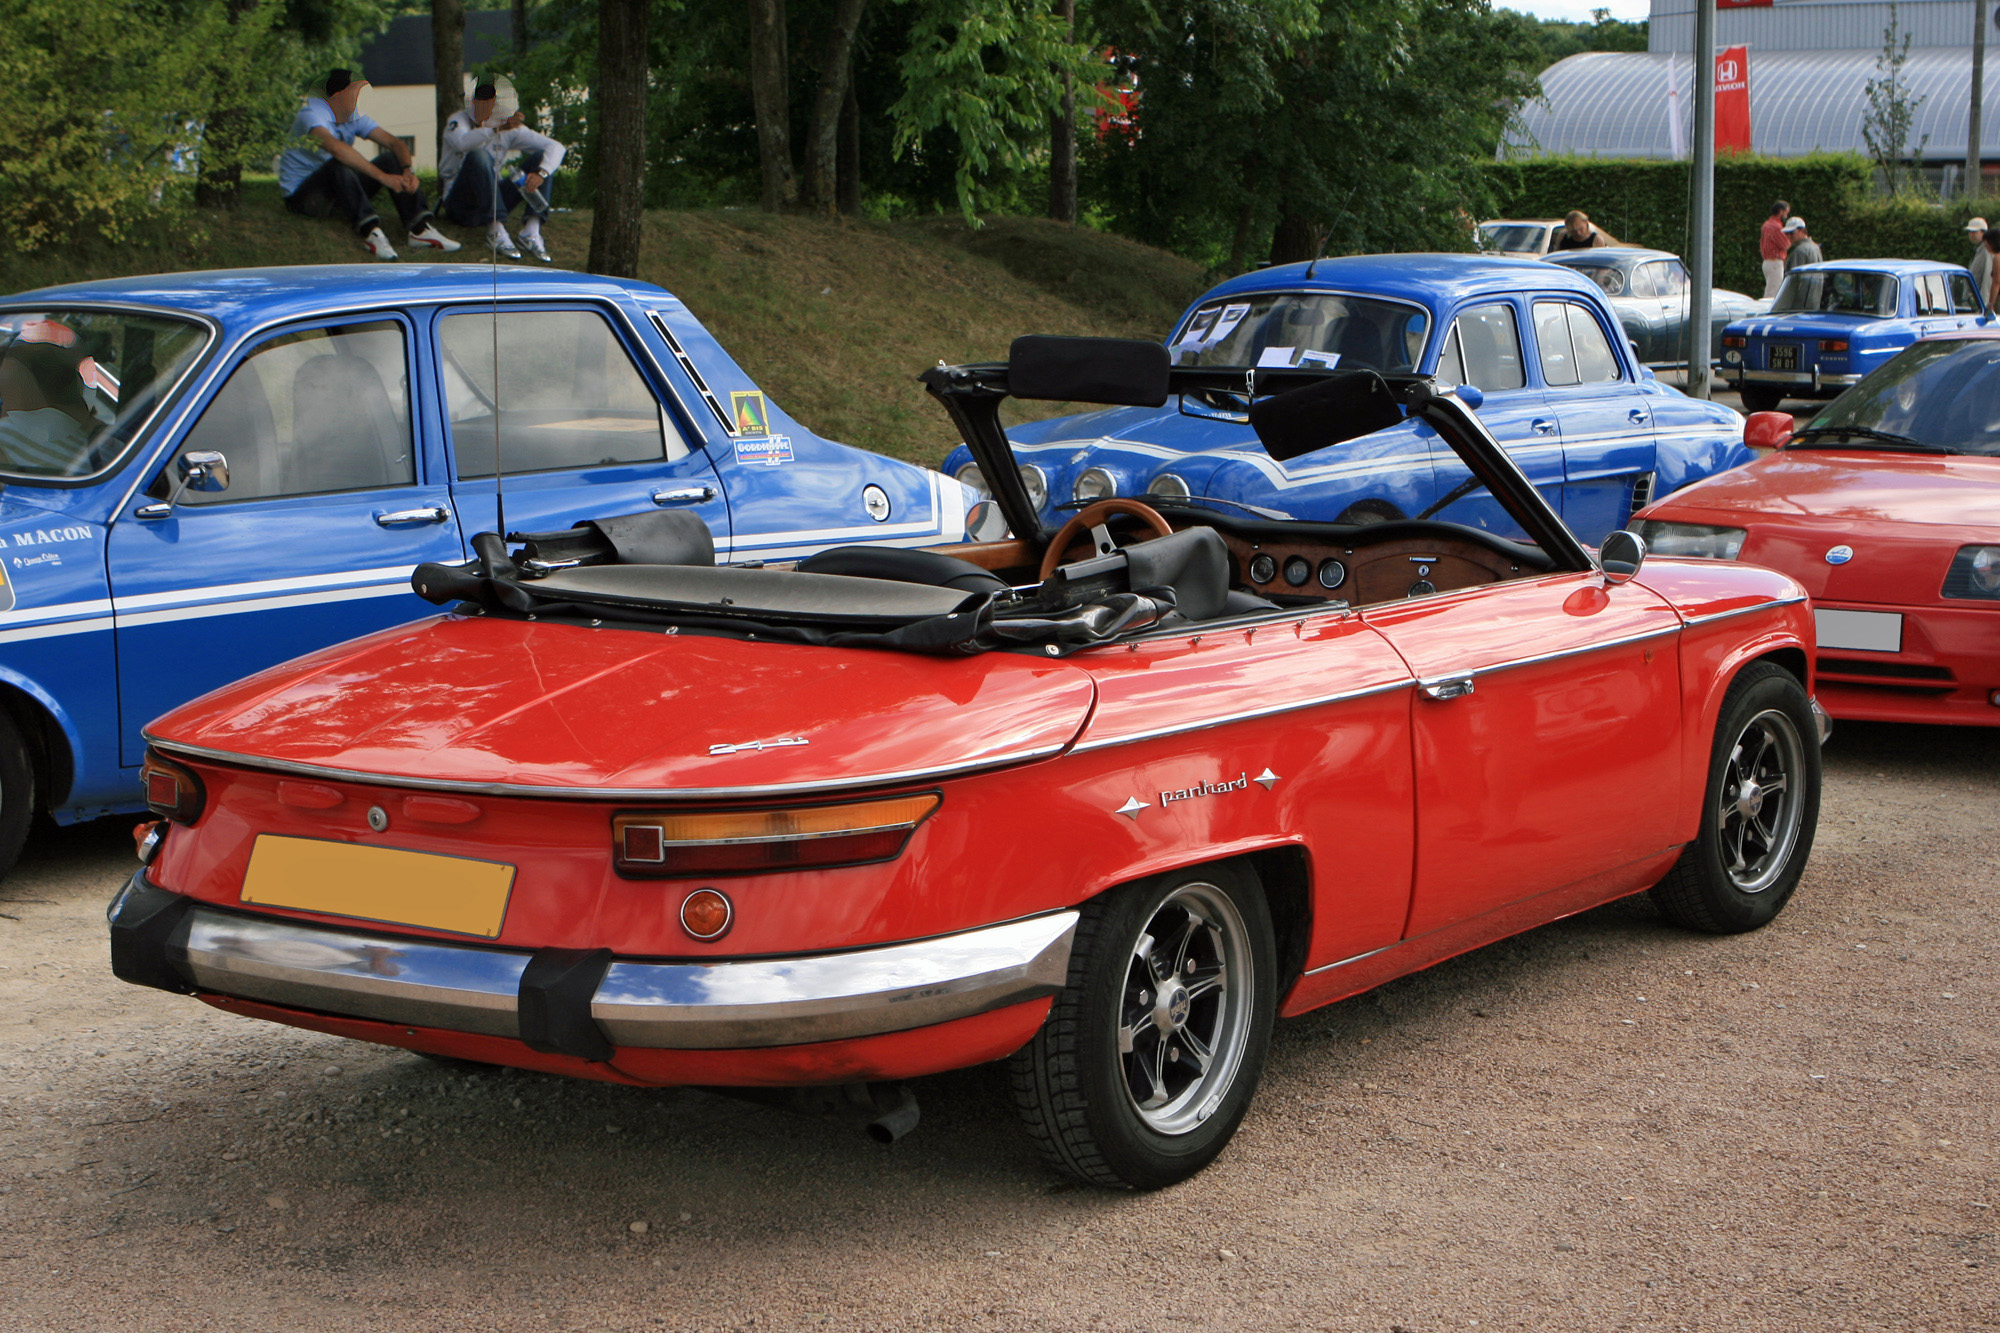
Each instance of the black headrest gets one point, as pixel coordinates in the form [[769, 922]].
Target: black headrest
[[1128, 372], [1344, 406]]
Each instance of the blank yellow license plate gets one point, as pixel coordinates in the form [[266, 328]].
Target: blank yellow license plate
[[379, 884]]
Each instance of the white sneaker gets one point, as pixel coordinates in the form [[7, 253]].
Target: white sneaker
[[432, 237], [533, 245], [501, 243], [378, 245]]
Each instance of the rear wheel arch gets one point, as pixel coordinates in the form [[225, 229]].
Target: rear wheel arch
[[48, 744], [1791, 659]]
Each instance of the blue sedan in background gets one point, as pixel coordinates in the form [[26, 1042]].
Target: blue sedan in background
[[1592, 428], [209, 473], [1833, 323]]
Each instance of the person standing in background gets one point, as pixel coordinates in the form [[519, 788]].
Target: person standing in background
[[1982, 259], [1774, 245], [1991, 245], [1578, 234], [1804, 249]]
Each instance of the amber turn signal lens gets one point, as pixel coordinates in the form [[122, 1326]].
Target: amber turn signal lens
[[662, 844], [1735, 340], [706, 914], [1833, 344], [172, 792]]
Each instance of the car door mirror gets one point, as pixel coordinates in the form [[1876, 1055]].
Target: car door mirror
[[1768, 430], [205, 470], [1621, 555]]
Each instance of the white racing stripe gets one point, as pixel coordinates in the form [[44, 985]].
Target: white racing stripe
[[245, 606], [262, 588], [83, 626]]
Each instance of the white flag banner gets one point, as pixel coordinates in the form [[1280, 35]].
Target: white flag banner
[[1678, 109]]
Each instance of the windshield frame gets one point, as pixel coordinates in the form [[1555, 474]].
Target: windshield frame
[[1207, 299], [163, 407]]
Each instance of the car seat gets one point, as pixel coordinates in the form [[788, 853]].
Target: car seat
[[238, 425], [345, 436]]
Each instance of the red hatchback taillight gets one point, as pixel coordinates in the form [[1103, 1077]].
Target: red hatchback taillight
[[659, 844], [172, 792]]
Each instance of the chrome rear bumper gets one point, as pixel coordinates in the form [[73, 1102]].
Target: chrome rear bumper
[[163, 939]]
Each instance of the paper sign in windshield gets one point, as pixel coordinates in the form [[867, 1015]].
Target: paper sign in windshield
[[766, 451], [749, 411], [1298, 356]]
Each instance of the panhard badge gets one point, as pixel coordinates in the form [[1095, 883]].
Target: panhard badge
[[1839, 555]]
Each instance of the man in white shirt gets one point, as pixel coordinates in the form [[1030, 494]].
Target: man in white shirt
[[1982, 258], [469, 174], [323, 174]]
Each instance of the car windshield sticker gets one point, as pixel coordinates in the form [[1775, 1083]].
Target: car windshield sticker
[[1231, 316], [747, 410], [1297, 356], [768, 450], [1197, 329]]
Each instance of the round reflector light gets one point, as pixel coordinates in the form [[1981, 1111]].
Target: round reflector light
[[706, 914]]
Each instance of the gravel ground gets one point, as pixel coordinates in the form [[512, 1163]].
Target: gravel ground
[[1605, 1124]]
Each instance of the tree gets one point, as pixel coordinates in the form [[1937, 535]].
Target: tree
[[618, 145], [770, 95], [1892, 112], [823, 134], [1062, 133], [448, 60]]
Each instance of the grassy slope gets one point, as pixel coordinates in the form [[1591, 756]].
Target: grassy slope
[[833, 318]]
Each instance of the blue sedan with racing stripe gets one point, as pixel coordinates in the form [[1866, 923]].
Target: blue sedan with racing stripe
[[206, 474], [1562, 390], [1833, 323]]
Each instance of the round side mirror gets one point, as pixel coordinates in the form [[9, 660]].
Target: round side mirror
[[204, 470], [1621, 555]]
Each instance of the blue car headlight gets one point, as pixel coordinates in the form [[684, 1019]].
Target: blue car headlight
[[1690, 539], [1093, 484], [970, 477]]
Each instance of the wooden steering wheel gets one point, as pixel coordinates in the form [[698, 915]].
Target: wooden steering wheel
[[1094, 516]]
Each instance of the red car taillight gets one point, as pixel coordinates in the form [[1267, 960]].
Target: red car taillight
[[1734, 340], [172, 792], [1833, 344], [658, 844]]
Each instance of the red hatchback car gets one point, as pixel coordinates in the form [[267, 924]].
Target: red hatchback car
[[1079, 800], [1886, 507]]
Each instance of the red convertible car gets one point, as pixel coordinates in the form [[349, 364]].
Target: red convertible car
[[1886, 507], [1102, 802]]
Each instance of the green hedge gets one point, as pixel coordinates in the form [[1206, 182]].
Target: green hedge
[[1646, 202]]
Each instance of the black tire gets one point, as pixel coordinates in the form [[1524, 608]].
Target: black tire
[[1761, 398], [1741, 871], [1076, 1083], [18, 792]]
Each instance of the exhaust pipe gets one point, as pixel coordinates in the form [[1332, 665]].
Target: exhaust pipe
[[885, 1111]]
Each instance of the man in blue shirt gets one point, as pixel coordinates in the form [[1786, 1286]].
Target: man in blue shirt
[[323, 174]]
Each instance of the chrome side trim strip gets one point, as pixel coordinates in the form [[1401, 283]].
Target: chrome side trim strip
[[1428, 682], [783, 1002], [761, 790], [723, 1005], [1245, 716], [1714, 616], [1328, 967], [425, 982]]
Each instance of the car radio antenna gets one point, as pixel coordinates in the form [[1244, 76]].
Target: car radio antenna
[[499, 495], [1326, 238]]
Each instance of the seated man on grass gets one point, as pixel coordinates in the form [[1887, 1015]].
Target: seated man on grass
[[323, 174], [472, 192]]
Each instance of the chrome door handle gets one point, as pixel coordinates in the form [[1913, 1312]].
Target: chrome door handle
[[1542, 426], [1637, 416], [1447, 687], [409, 518], [684, 495]]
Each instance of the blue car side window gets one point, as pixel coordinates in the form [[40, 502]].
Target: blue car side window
[[566, 396], [312, 412], [1488, 345], [1595, 362]]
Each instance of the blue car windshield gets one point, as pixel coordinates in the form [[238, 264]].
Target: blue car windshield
[[1840, 291], [75, 384], [1937, 395], [1303, 329]]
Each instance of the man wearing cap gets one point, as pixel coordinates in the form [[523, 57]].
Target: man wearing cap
[[1982, 258], [475, 195], [1805, 250], [323, 174]]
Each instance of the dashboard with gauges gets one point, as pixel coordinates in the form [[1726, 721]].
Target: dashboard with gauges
[[1366, 565]]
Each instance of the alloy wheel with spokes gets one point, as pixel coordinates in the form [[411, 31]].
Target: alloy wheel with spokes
[[1186, 1008], [1758, 813]]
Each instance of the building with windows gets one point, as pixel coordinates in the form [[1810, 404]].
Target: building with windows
[[1810, 65], [402, 96]]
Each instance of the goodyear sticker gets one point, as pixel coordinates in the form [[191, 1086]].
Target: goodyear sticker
[[750, 413], [767, 451], [6, 592]]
